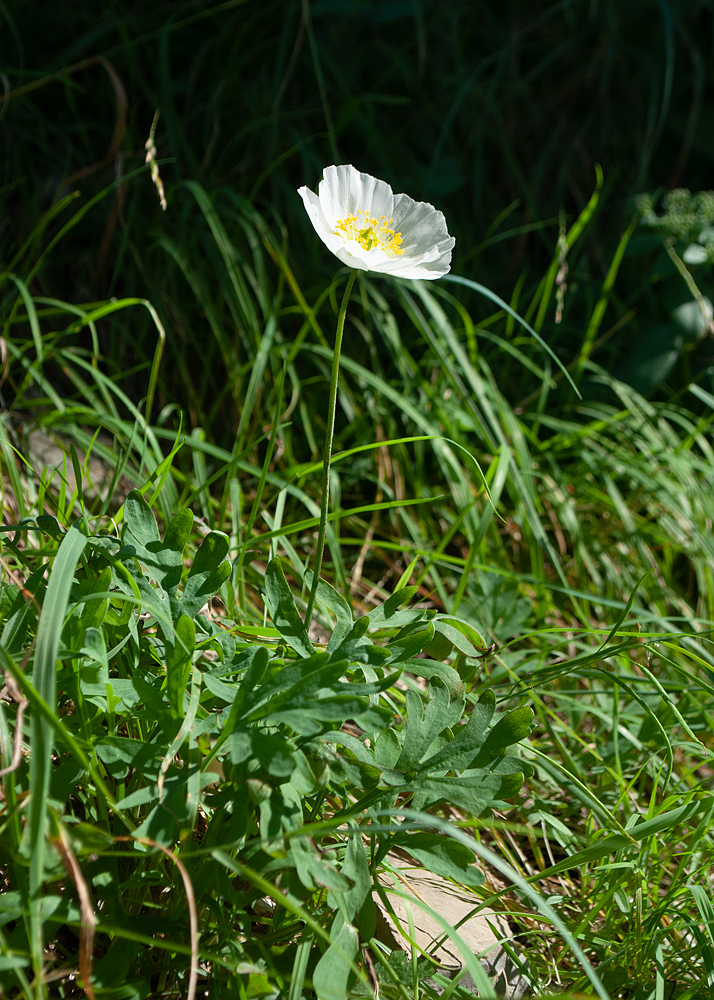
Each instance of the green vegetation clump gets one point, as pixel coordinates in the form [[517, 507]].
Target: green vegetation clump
[[508, 678], [190, 772]]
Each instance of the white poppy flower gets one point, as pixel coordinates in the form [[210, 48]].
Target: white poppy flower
[[369, 227]]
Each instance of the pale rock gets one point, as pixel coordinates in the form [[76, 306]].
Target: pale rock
[[484, 932]]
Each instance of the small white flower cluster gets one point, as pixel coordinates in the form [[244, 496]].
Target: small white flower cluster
[[367, 226]]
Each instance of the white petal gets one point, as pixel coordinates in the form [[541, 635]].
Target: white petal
[[431, 270], [324, 230], [420, 224], [343, 254], [312, 207], [344, 191], [415, 268], [375, 197]]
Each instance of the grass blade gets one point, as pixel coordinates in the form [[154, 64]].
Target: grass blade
[[44, 681]]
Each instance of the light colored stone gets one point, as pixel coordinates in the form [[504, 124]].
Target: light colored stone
[[483, 932], [52, 453]]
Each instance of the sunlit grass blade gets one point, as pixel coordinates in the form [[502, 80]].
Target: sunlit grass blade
[[487, 293], [44, 681]]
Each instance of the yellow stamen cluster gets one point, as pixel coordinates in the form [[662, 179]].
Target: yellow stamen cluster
[[370, 233]]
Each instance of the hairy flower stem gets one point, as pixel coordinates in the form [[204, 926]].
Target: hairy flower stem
[[327, 458]]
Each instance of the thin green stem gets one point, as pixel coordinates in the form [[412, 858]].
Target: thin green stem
[[327, 458]]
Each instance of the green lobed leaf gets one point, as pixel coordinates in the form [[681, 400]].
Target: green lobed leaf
[[406, 647], [21, 611], [442, 856], [424, 725], [475, 794], [468, 739], [431, 669], [355, 867], [275, 753], [293, 686], [334, 602], [208, 573], [510, 729], [333, 977], [461, 634], [92, 612], [178, 663], [314, 869], [387, 747], [139, 520], [283, 610], [254, 661], [178, 530]]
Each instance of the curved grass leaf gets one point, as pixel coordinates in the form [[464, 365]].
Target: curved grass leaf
[[44, 681]]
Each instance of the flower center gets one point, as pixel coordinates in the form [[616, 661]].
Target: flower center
[[370, 233]]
